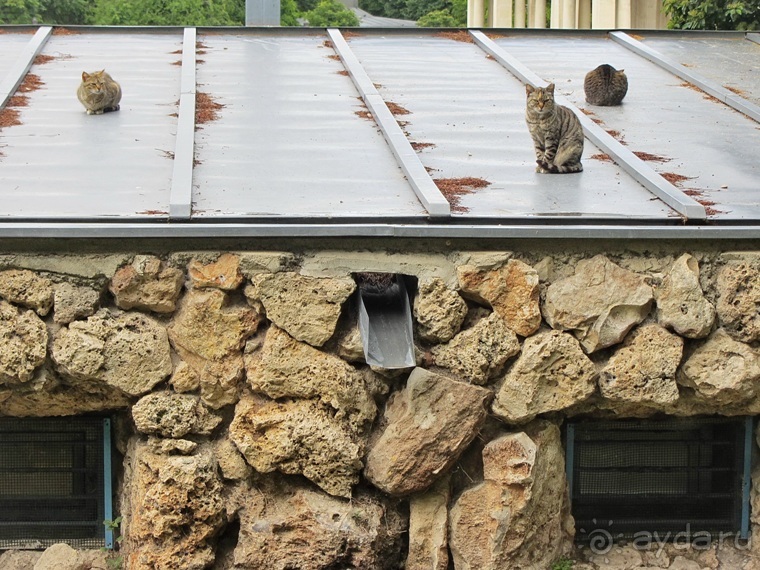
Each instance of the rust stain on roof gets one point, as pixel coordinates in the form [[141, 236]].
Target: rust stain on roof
[[454, 188]]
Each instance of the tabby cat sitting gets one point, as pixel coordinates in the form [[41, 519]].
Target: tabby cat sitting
[[605, 86], [99, 93], [556, 131]]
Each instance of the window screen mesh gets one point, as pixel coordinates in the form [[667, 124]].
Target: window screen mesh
[[666, 476], [51, 482]]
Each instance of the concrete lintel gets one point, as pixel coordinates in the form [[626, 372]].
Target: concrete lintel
[[424, 187], [181, 196], [705, 84], [18, 71], [632, 164]]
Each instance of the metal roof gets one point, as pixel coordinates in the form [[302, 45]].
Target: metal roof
[[329, 132]]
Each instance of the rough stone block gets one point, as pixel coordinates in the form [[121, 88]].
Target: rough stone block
[[552, 373], [644, 368], [479, 353], [599, 304], [516, 518], [429, 424], [681, 305], [512, 291]]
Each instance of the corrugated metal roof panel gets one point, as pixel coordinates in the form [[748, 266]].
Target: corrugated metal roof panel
[[682, 132], [61, 163], [472, 112], [11, 45], [290, 144], [728, 59]]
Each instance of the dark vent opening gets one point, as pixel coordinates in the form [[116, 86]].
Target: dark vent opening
[[52, 484], [657, 476]]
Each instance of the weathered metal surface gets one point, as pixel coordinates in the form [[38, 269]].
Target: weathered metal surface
[[709, 149], [632, 164], [61, 163], [293, 151], [728, 59], [472, 113], [288, 142], [181, 197]]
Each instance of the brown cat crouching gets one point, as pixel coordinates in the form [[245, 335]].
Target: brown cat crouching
[[557, 133], [605, 86], [99, 93]]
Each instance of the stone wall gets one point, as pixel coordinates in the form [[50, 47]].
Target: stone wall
[[254, 436]]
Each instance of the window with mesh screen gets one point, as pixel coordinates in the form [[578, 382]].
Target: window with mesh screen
[[54, 482], [629, 478]]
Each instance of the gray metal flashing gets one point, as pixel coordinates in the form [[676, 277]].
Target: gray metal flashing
[[632, 164], [181, 195], [709, 87], [753, 37], [506, 60], [424, 187], [293, 156], [638, 169], [101, 230], [16, 74]]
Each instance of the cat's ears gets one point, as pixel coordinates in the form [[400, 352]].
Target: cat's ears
[[530, 89], [86, 76]]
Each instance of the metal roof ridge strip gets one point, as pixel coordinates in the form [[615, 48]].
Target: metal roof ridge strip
[[426, 190], [134, 230], [16, 74], [632, 164], [753, 37], [710, 87], [181, 194]]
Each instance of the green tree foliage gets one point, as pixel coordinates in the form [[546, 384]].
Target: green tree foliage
[[306, 5], [384, 8], [289, 13], [375, 7], [416, 9], [70, 12], [428, 13], [437, 19], [166, 12], [331, 13], [169, 12], [19, 11], [713, 14], [458, 9], [44, 11]]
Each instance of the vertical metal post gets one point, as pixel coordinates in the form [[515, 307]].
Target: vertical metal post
[[502, 13], [556, 15], [746, 476], [624, 14], [568, 15], [604, 14], [262, 12], [519, 13], [476, 13], [539, 16], [107, 485], [584, 14], [570, 458]]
